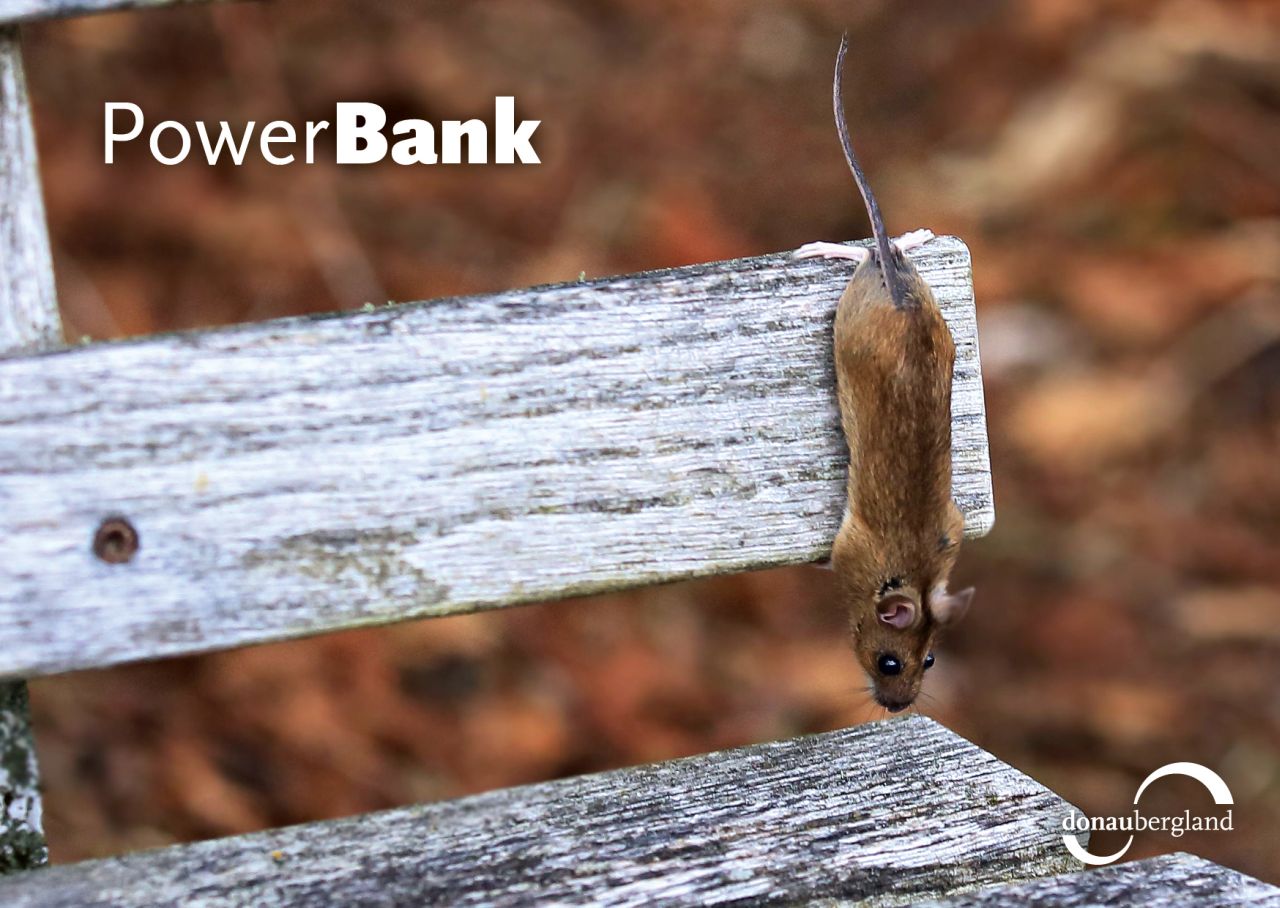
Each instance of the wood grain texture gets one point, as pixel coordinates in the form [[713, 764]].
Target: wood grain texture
[[892, 810], [1169, 881], [302, 475], [12, 11], [28, 307], [22, 843], [28, 321]]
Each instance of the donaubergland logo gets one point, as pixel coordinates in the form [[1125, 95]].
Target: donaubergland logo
[[1175, 825]]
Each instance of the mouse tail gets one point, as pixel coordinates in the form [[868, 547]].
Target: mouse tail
[[884, 248]]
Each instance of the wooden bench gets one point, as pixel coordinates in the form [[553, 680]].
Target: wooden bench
[[187, 493]]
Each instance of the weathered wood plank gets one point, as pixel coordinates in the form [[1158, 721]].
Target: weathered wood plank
[[28, 321], [295, 476], [22, 842], [1169, 881], [28, 307], [897, 809], [13, 11]]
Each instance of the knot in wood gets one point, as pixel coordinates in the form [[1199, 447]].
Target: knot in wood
[[116, 540]]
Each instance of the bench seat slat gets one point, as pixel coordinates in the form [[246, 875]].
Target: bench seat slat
[[1169, 881], [902, 807], [309, 474]]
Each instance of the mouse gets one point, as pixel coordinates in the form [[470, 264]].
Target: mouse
[[901, 532]]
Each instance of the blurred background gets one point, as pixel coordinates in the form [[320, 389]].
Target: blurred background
[[1114, 166]]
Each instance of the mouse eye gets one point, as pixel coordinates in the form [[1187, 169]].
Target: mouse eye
[[928, 662], [888, 665]]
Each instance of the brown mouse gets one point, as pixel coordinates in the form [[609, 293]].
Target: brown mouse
[[901, 531]]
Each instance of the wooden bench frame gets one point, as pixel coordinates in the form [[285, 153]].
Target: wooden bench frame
[[29, 321], [661, 426]]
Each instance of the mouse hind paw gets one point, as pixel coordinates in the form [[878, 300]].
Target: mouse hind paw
[[831, 251], [859, 253], [913, 239]]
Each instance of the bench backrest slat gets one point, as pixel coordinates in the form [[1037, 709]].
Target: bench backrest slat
[[15, 11], [303, 475]]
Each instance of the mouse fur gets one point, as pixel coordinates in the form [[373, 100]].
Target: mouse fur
[[901, 532]]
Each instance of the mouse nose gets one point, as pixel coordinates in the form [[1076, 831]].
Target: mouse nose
[[893, 706]]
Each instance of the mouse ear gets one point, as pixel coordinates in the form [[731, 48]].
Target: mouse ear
[[897, 611], [949, 608]]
